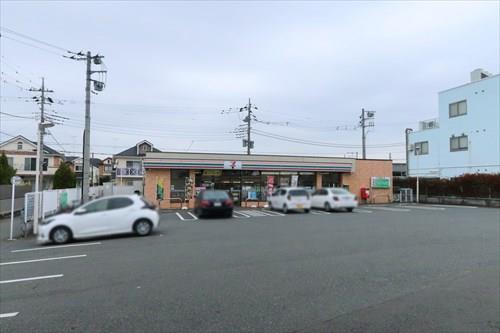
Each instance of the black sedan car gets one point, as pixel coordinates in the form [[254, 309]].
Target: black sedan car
[[210, 202]]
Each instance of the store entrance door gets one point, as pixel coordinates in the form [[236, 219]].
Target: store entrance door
[[227, 180]]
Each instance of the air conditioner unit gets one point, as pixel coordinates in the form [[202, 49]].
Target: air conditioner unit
[[411, 147], [431, 124]]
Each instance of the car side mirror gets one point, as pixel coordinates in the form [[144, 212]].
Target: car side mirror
[[80, 211]]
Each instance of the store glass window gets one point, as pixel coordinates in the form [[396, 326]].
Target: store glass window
[[178, 183], [330, 179]]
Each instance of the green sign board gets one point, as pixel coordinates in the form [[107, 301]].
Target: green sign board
[[381, 182]]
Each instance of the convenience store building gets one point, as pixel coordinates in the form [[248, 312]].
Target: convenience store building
[[173, 179]]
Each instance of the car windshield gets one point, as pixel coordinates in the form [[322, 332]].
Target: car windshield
[[215, 195], [298, 193]]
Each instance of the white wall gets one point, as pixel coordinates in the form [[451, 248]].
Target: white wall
[[481, 124]]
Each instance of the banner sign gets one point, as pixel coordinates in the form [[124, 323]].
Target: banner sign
[[381, 182]]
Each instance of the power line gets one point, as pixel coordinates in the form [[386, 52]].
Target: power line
[[33, 39], [16, 116], [319, 143], [31, 45]]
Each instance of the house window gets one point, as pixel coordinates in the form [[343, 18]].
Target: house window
[[458, 109], [459, 143], [30, 164], [108, 168], [45, 164], [20, 145], [10, 161], [422, 148], [78, 168], [134, 164]]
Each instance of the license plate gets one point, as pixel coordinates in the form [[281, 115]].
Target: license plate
[[217, 204], [300, 206]]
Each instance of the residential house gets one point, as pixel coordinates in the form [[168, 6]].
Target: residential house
[[22, 156], [106, 170], [129, 169], [76, 164], [465, 137]]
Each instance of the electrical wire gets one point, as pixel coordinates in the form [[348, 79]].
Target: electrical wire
[[33, 39], [31, 45], [16, 116]]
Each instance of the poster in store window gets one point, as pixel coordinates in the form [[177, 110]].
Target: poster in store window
[[295, 180], [270, 185]]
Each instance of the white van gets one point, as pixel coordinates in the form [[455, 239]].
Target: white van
[[290, 198]]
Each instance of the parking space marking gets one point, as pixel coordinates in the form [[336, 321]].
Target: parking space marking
[[274, 213], [55, 247], [32, 278], [194, 216], [319, 212], [423, 207], [390, 209], [180, 216], [7, 315], [255, 213], [43, 259], [453, 206], [243, 216]]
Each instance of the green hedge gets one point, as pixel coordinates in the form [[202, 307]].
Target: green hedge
[[468, 185]]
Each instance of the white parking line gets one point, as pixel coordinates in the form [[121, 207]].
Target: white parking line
[[180, 216], [43, 259], [244, 216], [274, 213], [268, 213], [194, 216], [453, 206], [55, 247], [423, 207], [32, 278], [390, 209], [7, 315], [319, 212]]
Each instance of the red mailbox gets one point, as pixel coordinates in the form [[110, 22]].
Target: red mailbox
[[365, 193]]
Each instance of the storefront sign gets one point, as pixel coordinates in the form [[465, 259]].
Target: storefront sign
[[214, 173], [381, 182], [235, 165]]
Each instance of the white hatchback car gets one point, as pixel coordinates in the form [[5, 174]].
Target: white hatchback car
[[290, 198], [334, 198], [105, 216]]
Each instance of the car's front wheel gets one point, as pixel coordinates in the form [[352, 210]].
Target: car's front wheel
[[285, 209], [143, 227], [60, 235], [350, 210], [327, 207]]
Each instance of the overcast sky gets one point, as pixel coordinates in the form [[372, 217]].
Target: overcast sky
[[174, 66]]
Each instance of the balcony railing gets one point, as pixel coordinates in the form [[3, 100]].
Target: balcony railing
[[134, 172]]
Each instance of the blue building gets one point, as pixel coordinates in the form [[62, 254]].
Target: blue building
[[465, 138]]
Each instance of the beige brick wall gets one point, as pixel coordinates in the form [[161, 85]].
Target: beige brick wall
[[361, 177]]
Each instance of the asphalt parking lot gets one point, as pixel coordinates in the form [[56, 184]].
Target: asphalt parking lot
[[380, 269]]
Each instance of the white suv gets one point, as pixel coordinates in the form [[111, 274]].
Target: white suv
[[290, 198], [334, 198]]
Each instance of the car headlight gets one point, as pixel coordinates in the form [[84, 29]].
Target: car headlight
[[47, 221]]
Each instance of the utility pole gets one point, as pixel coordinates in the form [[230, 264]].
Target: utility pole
[[370, 116], [249, 128], [98, 86], [38, 204], [407, 139]]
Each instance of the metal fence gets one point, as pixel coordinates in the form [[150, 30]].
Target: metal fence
[[54, 201]]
